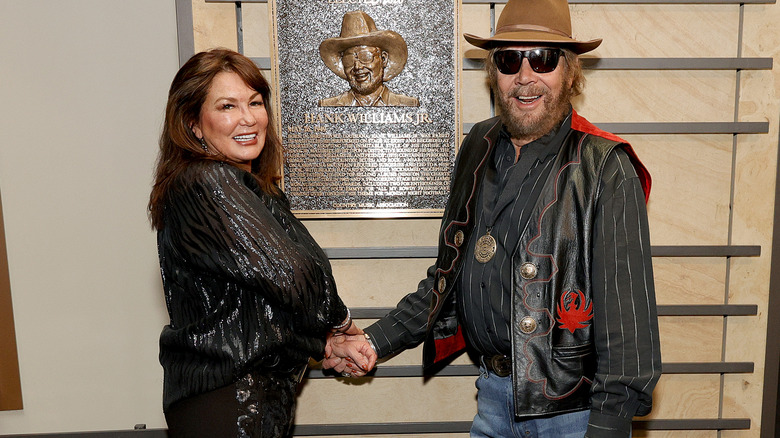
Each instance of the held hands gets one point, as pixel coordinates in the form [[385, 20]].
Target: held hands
[[349, 352]]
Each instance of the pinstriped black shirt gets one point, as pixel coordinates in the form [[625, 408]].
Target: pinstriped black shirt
[[505, 201]]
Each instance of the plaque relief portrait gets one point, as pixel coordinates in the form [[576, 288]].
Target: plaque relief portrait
[[367, 130], [366, 58]]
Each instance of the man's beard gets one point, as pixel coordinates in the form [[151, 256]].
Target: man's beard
[[530, 126], [366, 87]]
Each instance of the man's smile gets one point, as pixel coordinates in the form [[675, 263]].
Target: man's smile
[[528, 99], [362, 75]]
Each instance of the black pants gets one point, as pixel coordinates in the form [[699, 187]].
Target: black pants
[[259, 405]]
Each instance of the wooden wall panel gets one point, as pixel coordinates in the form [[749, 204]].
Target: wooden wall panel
[[657, 95], [761, 37], [475, 97], [755, 175], [636, 30], [387, 400], [691, 338], [474, 19], [474, 91], [686, 396], [378, 283], [256, 30], [745, 341], [368, 233], [659, 31], [742, 394], [214, 25], [689, 202], [696, 280]]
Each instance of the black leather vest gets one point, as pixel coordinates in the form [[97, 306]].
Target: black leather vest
[[553, 357]]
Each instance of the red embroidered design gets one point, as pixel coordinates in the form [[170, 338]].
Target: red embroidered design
[[574, 311]]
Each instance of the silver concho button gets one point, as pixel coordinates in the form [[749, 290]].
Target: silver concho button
[[527, 325], [442, 284], [528, 271], [459, 238]]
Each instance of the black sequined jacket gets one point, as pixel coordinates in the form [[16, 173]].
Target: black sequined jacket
[[246, 285]]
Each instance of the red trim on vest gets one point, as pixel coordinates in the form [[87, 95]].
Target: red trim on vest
[[448, 346], [579, 123]]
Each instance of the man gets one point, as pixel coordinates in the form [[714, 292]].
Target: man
[[544, 268], [366, 58]]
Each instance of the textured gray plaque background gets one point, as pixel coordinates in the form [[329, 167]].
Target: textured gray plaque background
[[367, 161]]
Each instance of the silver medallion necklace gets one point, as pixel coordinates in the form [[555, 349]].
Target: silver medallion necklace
[[485, 248]]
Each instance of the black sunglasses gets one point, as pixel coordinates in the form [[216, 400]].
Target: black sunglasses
[[542, 60]]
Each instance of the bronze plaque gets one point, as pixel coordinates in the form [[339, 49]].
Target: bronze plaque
[[368, 105]]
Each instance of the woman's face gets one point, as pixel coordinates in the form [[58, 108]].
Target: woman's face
[[233, 120]]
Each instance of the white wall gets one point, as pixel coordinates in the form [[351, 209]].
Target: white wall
[[83, 85]]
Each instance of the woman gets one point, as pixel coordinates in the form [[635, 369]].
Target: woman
[[249, 292]]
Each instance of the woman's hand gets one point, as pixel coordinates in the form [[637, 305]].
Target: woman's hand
[[350, 353]]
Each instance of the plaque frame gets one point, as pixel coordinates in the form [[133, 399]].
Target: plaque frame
[[423, 189]]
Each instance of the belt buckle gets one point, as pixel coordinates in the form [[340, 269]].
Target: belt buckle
[[501, 365]]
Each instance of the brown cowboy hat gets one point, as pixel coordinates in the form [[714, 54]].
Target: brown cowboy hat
[[534, 21], [358, 29]]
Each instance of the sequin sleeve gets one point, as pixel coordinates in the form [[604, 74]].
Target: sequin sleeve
[[221, 223]]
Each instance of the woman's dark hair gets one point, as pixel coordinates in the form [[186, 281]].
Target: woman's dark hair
[[180, 148]]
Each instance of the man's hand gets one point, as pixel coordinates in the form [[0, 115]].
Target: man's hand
[[349, 353]]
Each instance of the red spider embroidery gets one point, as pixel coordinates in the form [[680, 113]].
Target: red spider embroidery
[[574, 311]]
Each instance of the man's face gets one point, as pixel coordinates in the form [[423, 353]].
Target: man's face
[[364, 67], [533, 103]]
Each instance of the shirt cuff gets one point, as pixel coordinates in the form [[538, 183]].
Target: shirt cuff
[[374, 340], [607, 426]]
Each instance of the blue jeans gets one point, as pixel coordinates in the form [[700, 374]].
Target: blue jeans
[[495, 414]]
